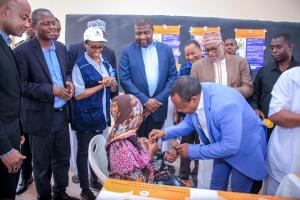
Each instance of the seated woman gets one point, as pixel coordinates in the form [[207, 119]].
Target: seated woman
[[130, 157]]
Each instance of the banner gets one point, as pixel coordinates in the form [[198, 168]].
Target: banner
[[168, 35], [251, 43], [198, 32]]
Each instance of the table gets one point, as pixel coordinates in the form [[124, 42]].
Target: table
[[115, 189]]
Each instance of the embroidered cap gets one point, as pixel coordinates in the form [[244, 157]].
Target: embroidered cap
[[212, 38], [93, 34], [97, 23]]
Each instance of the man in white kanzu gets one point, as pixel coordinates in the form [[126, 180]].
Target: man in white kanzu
[[284, 149]]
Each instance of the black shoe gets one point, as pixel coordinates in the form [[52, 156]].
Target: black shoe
[[95, 185], [22, 187], [63, 196], [183, 176], [87, 195], [195, 180]]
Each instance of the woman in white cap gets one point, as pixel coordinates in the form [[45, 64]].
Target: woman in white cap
[[93, 84]]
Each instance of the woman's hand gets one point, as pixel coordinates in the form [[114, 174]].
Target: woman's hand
[[110, 82], [106, 81], [152, 147]]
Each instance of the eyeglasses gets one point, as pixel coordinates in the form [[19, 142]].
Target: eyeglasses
[[212, 49], [95, 47]]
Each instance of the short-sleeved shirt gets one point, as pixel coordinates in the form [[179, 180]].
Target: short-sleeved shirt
[[284, 149], [79, 82], [263, 85]]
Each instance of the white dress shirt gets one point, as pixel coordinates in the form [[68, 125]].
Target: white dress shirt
[[204, 166], [201, 116], [150, 59], [220, 72]]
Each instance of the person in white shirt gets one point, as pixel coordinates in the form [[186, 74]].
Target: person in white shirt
[[283, 148]]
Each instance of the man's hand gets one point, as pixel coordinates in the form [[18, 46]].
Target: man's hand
[[146, 113], [259, 113], [70, 88], [152, 105], [171, 155], [182, 150], [22, 139], [62, 93], [13, 161], [156, 134]]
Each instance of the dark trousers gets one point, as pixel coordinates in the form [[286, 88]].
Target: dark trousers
[[26, 168], [220, 177], [8, 183], [83, 141], [51, 151], [147, 126], [185, 169], [257, 185]]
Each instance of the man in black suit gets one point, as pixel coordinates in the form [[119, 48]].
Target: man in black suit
[[45, 73], [26, 168], [77, 50], [10, 95]]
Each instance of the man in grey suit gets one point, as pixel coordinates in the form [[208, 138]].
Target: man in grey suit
[[10, 95], [45, 73], [222, 68], [147, 70]]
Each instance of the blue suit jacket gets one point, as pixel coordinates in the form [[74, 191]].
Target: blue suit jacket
[[237, 135], [133, 76]]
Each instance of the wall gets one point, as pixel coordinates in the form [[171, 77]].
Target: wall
[[270, 10]]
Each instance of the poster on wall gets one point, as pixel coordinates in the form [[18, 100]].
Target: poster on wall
[[169, 35], [198, 32], [251, 43]]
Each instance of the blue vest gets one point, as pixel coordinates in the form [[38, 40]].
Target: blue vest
[[185, 70], [88, 113]]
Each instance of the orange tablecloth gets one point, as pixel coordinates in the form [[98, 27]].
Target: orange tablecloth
[[120, 189]]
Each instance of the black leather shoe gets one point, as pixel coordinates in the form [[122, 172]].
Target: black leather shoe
[[22, 187], [95, 185], [63, 196]]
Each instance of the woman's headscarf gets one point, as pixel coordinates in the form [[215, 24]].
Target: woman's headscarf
[[124, 157]]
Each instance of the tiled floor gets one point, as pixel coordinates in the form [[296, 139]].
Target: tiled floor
[[30, 194]]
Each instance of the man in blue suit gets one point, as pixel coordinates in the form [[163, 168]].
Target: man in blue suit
[[231, 132], [147, 71]]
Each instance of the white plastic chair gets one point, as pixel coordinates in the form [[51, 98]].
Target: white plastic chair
[[98, 157]]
